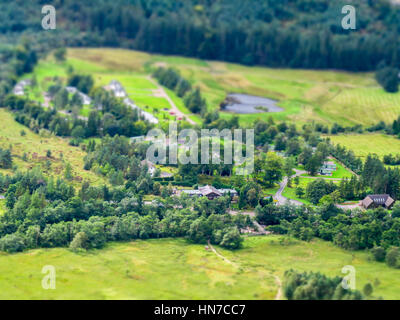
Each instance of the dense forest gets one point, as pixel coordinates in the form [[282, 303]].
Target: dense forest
[[287, 33]]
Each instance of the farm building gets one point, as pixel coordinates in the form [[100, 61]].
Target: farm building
[[378, 200]]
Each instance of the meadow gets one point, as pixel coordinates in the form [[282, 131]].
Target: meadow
[[325, 96], [176, 269], [364, 144], [24, 141]]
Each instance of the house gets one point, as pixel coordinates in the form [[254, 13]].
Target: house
[[210, 192], [116, 87], [150, 165], [119, 91], [378, 200], [18, 90], [145, 115], [231, 192], [20, 86], [86, 100], [327, 168]]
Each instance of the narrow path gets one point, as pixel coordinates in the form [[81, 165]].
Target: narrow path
[[220, 255], [160, 92], [278, 195], [279, 283]]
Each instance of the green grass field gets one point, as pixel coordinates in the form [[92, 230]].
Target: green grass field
[[363, 144], [36, 146], [303, 182], [325, 96], [175, 269], [340, 173]]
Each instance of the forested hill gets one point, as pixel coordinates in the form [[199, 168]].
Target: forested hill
[[284, 33]]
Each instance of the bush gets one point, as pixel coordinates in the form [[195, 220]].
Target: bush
[[80, 242], [12, 243], [393, 257], [231, 239], [378, 253], [388, 79]]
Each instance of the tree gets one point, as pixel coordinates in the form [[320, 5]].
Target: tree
[[288, 168], [272, 169], [12, 243], [314, 163], [388, 78], [61, 99], [231, 239], [316, 286], [68, 172], [5, 159], [378, 253], [80, 242], [368, 289], [299, 192], [60, 53], [76, 100], [194, 102], [393, 257], [318, 188]]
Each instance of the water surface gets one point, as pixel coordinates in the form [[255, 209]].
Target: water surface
[[244, 103]]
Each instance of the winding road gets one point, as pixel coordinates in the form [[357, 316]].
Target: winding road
[[278, 195]]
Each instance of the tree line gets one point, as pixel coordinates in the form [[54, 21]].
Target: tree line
[[48, 212]]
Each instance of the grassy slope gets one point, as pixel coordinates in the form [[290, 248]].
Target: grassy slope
[[364, 144], [2, 206], [306, 95], [10, 135], [175, 269]]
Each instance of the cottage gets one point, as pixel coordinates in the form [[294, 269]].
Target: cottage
[[378, 200]]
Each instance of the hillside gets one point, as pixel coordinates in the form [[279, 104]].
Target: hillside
[[35, 147], [291, 33], [305, 95]]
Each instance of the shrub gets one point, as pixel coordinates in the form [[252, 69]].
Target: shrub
[[12, 243], [379, 253], [393, 257]]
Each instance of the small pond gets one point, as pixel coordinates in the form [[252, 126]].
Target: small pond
[[244, 103]]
